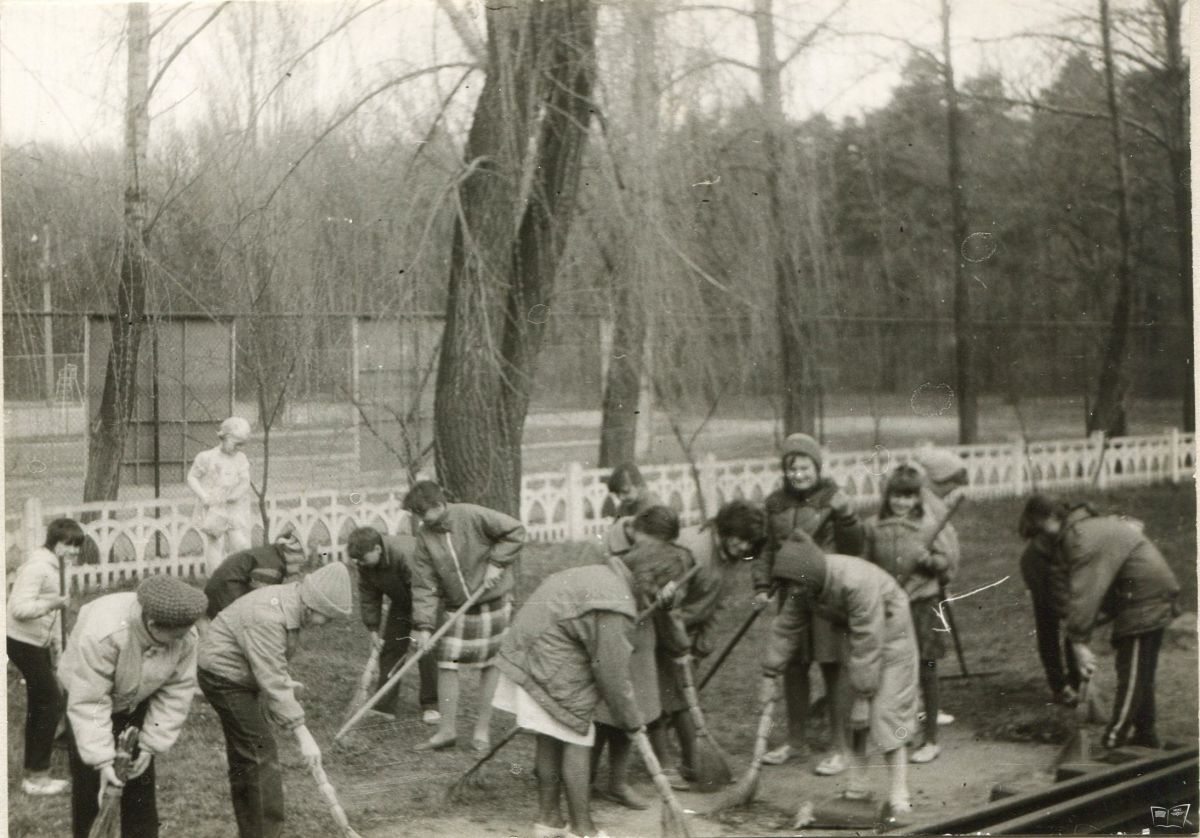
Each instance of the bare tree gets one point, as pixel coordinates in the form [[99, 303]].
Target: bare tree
[[964, 363], [516, 202], [1108, 412]]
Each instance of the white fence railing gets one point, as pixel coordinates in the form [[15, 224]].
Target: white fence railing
[[139, 537]]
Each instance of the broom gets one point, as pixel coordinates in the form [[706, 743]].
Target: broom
[[712, 763], [733, 641], [335, 808], [455, 791], [371, 670], [673, 821], [108, 820], [410, 662], [743, 792], [1078, 748]]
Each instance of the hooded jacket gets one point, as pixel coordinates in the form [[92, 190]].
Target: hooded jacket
[[111, 665], [1108, 566], [813, 514], [450, 564], [31, 617], [569, 645]]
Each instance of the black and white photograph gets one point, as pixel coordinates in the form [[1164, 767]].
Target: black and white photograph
[[598, 418]]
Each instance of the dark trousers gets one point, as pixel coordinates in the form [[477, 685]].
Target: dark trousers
[[396, 641], [43, 701], [1133, 705], [1053, 649], [255, 779], [139, 805]]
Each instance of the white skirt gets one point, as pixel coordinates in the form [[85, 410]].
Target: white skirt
[[512, 698]]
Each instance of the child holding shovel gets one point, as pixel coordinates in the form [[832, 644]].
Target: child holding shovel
[[34, 626], [1108, 569], [882, 665], [912, 544], [462, 547], [130, 661], [385, 568], [735, 535], [569, 648], [812, 505], [243, 659]]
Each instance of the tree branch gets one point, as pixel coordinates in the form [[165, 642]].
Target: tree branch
[[182, 44], [466, 31], [1066, 111], [806, 41]]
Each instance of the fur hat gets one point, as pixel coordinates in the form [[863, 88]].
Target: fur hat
[[802, 444], [939, 464], [170, 602], [800, 560], [236, 427], [327, 591]]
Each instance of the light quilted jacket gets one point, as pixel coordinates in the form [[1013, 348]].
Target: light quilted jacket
[[32, 618]]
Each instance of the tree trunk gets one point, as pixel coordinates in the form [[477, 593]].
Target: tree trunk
[[795, 359], [964, 361], [1179, 158], [106, 444], [1108, 412], [516, 204], [624, 390]]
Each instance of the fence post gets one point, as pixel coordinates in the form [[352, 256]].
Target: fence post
[[1173, 432], [1098, 479], [32, 525], [708, 486], [574, 485], [1018, 464]]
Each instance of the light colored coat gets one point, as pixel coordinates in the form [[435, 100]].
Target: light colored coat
[[901, 547], [250, 642], [32, 618], [111, 665]]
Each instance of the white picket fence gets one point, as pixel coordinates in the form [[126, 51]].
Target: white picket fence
[[139, 537]]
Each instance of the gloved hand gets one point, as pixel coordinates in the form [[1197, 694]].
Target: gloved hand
[[140, 764], [761, 599], [376, 640], [666, 596], [420, 638], [308, 747]]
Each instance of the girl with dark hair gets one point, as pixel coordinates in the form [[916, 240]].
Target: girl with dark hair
[[898, 541], [628, 486], [35, 608]]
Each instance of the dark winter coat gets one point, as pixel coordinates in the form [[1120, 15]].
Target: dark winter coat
[[249, 570], [392, 578], [788, 511]]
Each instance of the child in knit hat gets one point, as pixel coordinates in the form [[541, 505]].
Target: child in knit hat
[[808, 504], [244, 657], [130, 660]]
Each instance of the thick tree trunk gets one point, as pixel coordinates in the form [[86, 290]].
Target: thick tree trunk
[[1180, 160], [1108, 411], [964, 361], [625, 396], [109, 428], [516, 204], [795, 344]]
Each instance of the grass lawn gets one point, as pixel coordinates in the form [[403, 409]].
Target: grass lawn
[[388, 790]]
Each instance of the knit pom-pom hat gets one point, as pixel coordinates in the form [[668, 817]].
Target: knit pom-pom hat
[[800, 561], [327, 591], [170, 602], [802, 444]]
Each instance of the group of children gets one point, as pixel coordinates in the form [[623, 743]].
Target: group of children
[[595, 655]]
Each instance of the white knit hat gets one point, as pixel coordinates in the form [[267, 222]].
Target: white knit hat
[[327, 591]]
